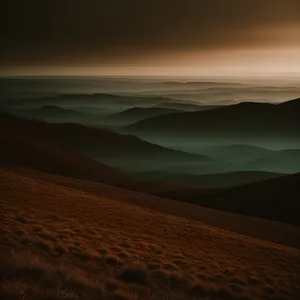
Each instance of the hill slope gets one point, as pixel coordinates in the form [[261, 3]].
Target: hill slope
[[275, 199], [253, 119], [99, 144], [51, 113], [216, 180], [254, 227], [136, 114], [28, 151], [21, 139], [114, 250]]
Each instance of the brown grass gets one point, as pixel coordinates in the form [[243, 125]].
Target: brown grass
[[62, 243], [260, 228]]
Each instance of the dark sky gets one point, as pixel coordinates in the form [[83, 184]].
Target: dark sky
[[87, 32]]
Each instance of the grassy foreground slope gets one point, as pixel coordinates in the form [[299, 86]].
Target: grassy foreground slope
[[62, 243], [263, 229]]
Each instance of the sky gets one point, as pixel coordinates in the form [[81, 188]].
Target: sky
[[150, 37]]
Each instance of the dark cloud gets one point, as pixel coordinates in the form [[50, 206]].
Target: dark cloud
[[56, 31]]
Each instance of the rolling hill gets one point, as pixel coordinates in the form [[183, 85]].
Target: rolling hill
[[275, 199], [243, 119], [237, 151], [116, 103], [56, 110], [99, 144], [136, 114], [97, 99], [87, 246], [73, 228], [239, 157], [20, 150], [25, 150], [211, 180], [50, 113], [50, 145]]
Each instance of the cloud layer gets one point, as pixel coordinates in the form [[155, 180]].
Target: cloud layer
[[119, 31]]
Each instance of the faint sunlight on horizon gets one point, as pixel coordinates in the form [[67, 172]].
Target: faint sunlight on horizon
[[270, 62]]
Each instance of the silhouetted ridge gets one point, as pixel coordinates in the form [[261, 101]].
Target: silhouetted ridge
[[239, 119], [54, 108], [292, 104]]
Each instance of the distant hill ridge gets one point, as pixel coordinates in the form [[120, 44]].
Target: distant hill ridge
[[243, 118], [94, 141], [214, 180]]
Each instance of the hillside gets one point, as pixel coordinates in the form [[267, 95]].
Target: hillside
[[92, 247], [241, 157], [274, 199], [253, 227], [216, 180], [28, 151], [33, 153], [252, 119], [237, 151], [54, 109], [50, 113], [21, 139], [100, 144], [140, 113]]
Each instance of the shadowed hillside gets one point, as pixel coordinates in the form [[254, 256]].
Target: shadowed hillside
[[51, 113], [29, 151], [237, 152], [102, 145], [239, 157], [73, 234], [21, 139], [275, 199], [36, 154], [250, 119], [216, 180]]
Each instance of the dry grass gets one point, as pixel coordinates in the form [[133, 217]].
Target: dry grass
[[277, 232], [61, 243]]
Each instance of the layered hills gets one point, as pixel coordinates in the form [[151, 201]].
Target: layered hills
[[239, 120]]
